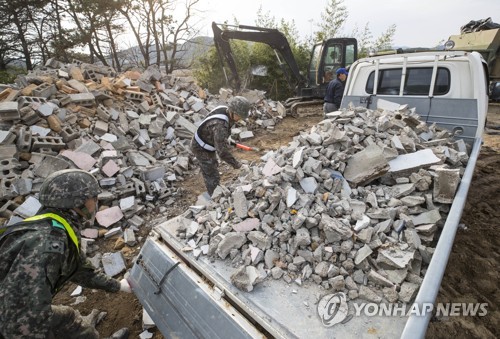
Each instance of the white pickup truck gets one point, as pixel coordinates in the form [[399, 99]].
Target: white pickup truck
[[190, 297]]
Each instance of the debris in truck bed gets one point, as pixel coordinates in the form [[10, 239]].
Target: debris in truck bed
[[353, 205]]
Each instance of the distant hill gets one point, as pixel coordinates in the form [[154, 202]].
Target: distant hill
[[194, 48], [185, 54]]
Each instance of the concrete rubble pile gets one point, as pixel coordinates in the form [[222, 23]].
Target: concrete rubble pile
[[354, 205], [131, 130]]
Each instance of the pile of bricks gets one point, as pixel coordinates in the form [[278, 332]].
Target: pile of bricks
[[354, 205], [131, 130]]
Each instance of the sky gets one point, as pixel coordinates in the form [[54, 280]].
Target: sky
[[419, 23]]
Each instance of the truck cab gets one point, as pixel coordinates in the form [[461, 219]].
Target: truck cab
[[447, 88]]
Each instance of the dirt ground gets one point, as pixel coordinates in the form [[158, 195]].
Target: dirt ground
[[472, 274]]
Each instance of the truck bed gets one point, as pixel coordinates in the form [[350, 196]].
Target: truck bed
[[198, 300]]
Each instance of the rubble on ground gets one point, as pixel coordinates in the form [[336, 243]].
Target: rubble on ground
[[352, 205], [131, 130]]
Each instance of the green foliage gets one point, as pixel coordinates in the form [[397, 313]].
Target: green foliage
[[8, 76], [367, 44], [208, 70], [332, 20]]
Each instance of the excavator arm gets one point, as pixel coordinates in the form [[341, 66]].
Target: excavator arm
[[272, 37]]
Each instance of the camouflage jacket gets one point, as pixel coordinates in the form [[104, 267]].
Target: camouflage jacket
[[216, 132], [36, 259]]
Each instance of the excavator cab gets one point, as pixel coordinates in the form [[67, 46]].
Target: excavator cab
[[326, 58]]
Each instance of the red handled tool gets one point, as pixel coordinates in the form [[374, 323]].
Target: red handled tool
[[243, 147]]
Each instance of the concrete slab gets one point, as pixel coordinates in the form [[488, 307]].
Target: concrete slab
[[413, 161]]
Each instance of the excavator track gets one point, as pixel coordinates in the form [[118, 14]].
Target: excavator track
[[306, 108]]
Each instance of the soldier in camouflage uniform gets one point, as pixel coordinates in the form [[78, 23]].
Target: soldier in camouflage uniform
[[211, 139], [38, 255]]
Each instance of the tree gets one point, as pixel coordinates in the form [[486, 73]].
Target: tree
[[96, 28], [333, 19], [18, 18], [157, 32]]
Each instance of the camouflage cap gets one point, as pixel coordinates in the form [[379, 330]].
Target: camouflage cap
[[240, 106], [68, 189]]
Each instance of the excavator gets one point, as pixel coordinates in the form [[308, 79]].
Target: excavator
[[326, 57]]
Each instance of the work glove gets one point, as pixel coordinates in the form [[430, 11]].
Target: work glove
[[125, 286]]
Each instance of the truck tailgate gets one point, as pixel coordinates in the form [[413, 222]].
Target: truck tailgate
[[181, 303], [280, 309]]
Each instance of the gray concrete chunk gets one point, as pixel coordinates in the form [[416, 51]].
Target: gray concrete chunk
[[430, 217], [334, 229], [395, 257], [363, 253], [232, 240], [365, 166], [240, 204], [113, 263], [445, 185]]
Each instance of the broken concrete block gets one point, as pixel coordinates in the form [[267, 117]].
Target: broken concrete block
[[49, 165], [363, 253], [83, 99], [379, 279], [7, 137], [245, 278], [430, 217], [271, 168], [368, 294], [9, 111], [291, 197], [82, 160], [246, 135], [401, 190], [240, 204], [309, 185], [270, 257], [445, 185], [394, 257], [112, 232], [90, 233], [109, 216], [247, 225], [100, 128], [129, 237], [362, 223], [28, 208], [110, 168], [334, 229], [230, 241], [113, 263], [365, 166], [127, 203], [260, 240], [408, 292]]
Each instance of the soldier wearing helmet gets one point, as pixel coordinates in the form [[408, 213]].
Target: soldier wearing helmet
[[211, 139], [41, 253]]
